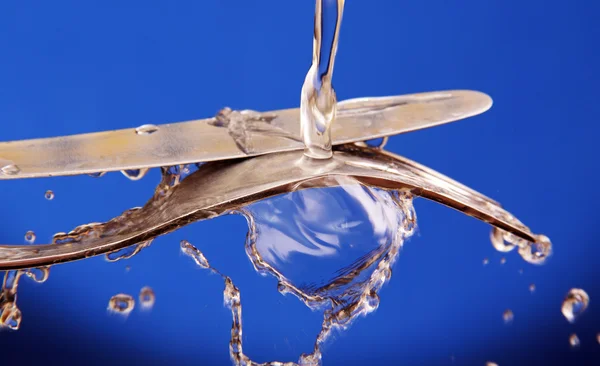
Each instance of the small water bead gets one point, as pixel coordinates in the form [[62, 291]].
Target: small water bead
[[508, 316], [30, 237], [49, 195], [532, 287], [121, 304], [146, 129], [574, 304], [147, 297], [502, 260], [489, 363], [574, 341], [485, 261], [10, 169], [598, 338]]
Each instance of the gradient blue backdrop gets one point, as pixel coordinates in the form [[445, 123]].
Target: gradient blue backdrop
[[81, 66]]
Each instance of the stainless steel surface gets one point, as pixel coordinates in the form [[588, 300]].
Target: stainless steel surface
[[222, 186], [231, 134]]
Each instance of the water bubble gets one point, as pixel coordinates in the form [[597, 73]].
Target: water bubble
[[127, 268], [538, 252], [121, 304], [598, 338], [147, 298], [502, 260], [188, 249], [49, 195], [146, 129], [521, 271], [9, 169], [508, 316], [485, 261], [532, 287], [574, 341], [30, 237], [574, 304], [490, 363]]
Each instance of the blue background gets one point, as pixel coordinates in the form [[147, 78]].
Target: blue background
[[72, 67]]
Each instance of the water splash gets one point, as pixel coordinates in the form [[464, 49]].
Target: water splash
[[318, 100], [349, 235], [575, 304], [10, 314]]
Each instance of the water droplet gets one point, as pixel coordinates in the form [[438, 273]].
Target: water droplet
[[532, 287], [485, 261], [521, 271], [378, 143], [188, 249], [574, 341], [502, 260], [574, 304], [30, 237], [135, 174], [127, 268], [498, 238], [538, 252], [147, 298], [121, 304], [49, 195], [490, 363], [508, 316], [598, 338], [146, 129], [9, 168], [97, 175]]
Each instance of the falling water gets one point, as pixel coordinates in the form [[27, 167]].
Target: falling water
[[318, 100]]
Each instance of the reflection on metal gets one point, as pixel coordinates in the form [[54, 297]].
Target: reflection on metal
[[230, 135], [221, 186]]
